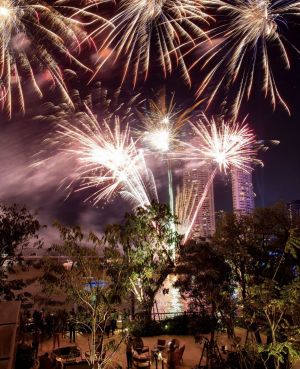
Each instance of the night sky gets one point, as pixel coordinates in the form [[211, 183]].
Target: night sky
[[21, 139]]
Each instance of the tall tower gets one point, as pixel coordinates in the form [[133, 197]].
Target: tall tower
[[196, 180], [242, 191]]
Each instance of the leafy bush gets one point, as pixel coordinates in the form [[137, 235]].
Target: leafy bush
[[179, 325]]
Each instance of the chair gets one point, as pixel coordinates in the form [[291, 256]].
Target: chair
[[138, 346], [179, 354], [141, 361], [161, 344], [176, 342], [198, 338]]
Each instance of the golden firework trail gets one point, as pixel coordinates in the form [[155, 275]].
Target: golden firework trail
[[243, 47], [148, 29], [185, 203], [34, 37]]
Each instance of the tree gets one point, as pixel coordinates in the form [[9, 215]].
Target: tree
[[140, 251], [205, 279], [85, 283], [253, 244], [262, 250], [274, 301], [18, 229], [255, 256]]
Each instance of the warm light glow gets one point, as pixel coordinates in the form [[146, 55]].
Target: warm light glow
[[159, 130], [166, 120], [220, 158]]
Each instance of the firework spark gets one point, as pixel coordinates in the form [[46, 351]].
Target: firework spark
[[142, 24], [159, 130], [107, 157], [252, 28], [33, 37]]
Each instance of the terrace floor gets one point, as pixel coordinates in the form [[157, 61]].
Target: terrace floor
[[190, 358]]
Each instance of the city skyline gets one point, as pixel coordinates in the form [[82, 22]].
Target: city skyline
[[21, 140]]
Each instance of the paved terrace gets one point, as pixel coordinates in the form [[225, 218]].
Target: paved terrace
[[191, 355]]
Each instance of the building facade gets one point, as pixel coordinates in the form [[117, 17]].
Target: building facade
[[197, 181], [242, 191], [294, 210]]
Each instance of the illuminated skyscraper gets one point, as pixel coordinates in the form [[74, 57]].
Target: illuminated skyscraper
[[242, 191], [196, 180]]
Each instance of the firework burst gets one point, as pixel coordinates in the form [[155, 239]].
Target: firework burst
[[34, 37], [225, 144], [243, 46], [107, 159], [162, 121], [141, 25]]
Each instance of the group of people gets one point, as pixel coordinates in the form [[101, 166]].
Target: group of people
[[48, 362], [43, 325]]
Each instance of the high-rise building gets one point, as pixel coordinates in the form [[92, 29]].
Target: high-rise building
[[196, 180], [294, 210], [242, 191]]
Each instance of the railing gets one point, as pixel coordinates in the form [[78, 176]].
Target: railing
[[158, 316]]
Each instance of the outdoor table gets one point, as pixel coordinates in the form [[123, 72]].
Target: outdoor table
[[157, 355], [67, 354]]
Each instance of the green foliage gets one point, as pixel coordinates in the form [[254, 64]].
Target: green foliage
[[139, 251], [18, 229], [147, 328], [78, 282], [279, 351]]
